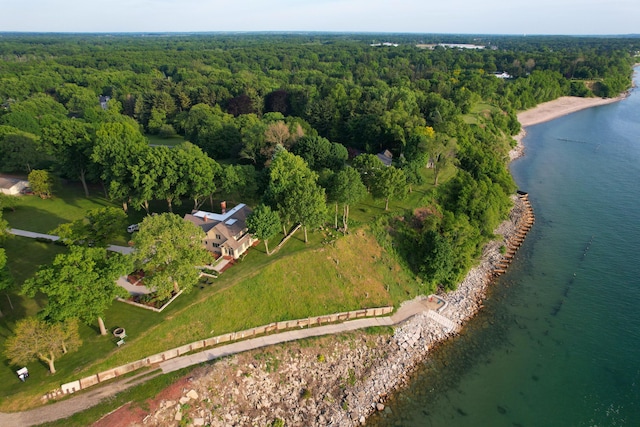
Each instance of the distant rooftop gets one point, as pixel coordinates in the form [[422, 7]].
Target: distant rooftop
[[451, 46]]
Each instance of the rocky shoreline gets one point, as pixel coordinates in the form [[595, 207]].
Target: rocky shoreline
[[339, 380], [329, 381]]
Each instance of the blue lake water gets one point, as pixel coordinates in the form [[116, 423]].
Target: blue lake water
[[558, 343]]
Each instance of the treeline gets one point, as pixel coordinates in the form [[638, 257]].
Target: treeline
[[360, 96], [243, 101]]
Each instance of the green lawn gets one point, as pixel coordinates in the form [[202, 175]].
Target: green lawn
[[156, 140], [329, 274], [43, 215], [69, 203], [318, 279], [479, 110], [370, 208], [301, 280]]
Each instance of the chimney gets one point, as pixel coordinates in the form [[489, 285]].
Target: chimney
[[223, 207]]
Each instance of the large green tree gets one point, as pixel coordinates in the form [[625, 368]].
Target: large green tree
[[264, 223], [306, 204], [199, 173], [368, 166], [71, 143], [346, 188], [80, 284], [389, 183], [239, 181], [152, 174], [116, 149], [169, 249], [294, 192], [20, 152]]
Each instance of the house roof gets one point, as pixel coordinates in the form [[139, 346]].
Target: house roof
[[385, 157], [228, 224], [7, 183]]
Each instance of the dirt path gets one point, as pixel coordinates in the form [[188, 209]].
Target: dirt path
[[68, 407]]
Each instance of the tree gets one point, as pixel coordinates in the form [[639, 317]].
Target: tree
[[199, 172], [168, 249], [346, 188], [37, 339], [277, 133], [278, 101], [80, 284], [6, 281], [4, 228], [240, 181], [8, 202], [368, 166], [390, 182], [241, 104], [306, 204], [294, 192], [71, 144], [98, 228], [442, 153], [117, 146], [147, 176], [450, 245], [19, 152], [264, 224], [252, 130], [320, 153], [41, 183]]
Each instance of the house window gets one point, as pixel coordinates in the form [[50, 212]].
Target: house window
[[218, 237], [216, 245]]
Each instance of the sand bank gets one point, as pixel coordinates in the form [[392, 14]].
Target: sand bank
[[560, 107], [551, 110]]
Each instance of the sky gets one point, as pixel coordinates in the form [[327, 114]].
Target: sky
[[571, 17]]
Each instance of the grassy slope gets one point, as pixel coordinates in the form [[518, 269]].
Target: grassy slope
[[329, 274], [302, 280]]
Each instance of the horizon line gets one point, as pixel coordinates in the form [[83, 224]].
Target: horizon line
[[329, 32]]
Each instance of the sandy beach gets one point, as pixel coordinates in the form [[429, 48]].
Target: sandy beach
[[560, 107], [548, 111]]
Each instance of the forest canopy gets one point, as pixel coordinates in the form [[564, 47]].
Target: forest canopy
[[86, 106]]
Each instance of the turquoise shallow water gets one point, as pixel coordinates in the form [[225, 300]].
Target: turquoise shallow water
[[558, 343]]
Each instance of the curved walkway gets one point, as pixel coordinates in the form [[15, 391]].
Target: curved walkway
[[70, 406]]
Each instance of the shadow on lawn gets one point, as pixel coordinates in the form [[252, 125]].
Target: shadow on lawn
[[32, 218]]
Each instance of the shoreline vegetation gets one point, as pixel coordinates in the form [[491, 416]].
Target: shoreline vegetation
[[272, 120], [350, 377]]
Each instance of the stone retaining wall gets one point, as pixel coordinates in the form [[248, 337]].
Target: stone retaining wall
[[89, 381]]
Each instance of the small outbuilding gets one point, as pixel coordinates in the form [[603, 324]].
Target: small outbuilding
[[386, 157], [12, 186]]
